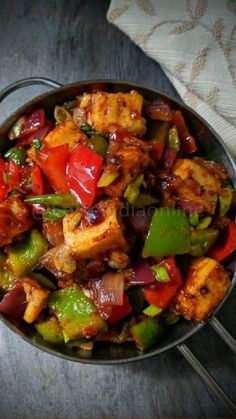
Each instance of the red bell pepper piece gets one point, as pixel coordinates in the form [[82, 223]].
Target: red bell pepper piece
[[83, 172], [33, 122], [226, 245], [188, 143], [3, 179], [52, 162], [13, 175], [162, 293], [157, 151], [119, 312], [37, 183]]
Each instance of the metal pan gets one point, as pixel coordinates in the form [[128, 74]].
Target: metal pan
[[213, 148]]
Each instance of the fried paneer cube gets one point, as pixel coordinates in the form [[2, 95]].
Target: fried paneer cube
[[206, 286], [131, 158], [65, 132], [198, 185], [89, 240], [101, 109]]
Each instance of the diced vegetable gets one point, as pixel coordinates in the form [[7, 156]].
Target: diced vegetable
[[169, 233], [6, 277], [226, 244], [107, 178], [24, 255], [194, 219], [76, 313], [109, 289], [50, 330], [159, 110], [83, 172], [43, 281], [161, 273], [202, 241], [173, 139], [14, 302], [188, 144], [33, 122], [146, 333], [204, 223], [152, 311], [61, 114], [53, 214], [63, 200], [52, 162], [36, 300], [17, 154], [98, 144], [225, 200], [142, 274], [119, 312], [17, 128], [133, 189], [162, 293]]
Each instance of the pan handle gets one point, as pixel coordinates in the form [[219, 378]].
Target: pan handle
[[27, 82], [223, 333], [207, 378]]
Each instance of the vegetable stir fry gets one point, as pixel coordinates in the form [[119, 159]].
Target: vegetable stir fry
[[112, 225]]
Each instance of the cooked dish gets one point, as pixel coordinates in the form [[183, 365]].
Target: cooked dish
[[113, 226]]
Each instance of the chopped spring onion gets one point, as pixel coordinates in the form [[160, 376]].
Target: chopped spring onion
[[161, 273], [152, 310], [132, 191]]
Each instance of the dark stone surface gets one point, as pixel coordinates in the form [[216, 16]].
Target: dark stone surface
[[69, 41]]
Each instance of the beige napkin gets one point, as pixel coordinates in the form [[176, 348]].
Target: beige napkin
[[195, 43]]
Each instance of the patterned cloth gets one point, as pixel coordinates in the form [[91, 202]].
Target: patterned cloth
[[195, 43]]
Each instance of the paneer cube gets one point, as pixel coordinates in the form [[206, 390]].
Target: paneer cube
[[206, 286], [65, 132], [131, 157], [36, 298], [88, 241], [101, 109], [207, 185]]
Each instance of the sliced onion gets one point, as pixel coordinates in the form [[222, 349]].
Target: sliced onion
[[109, 290], [159, 110], [14, 302], [168, 158], [142, 274]]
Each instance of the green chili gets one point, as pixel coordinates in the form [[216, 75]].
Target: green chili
[[63, 200]]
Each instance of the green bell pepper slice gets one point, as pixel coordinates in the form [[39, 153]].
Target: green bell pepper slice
[[60, 200], [169, 233], [24, 255], [225, 200], [51, 331], [17, 154], [146, 333], [6, 277], [202, 241], [76, 313]]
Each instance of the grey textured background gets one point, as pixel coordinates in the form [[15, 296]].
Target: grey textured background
[[69, 41]]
